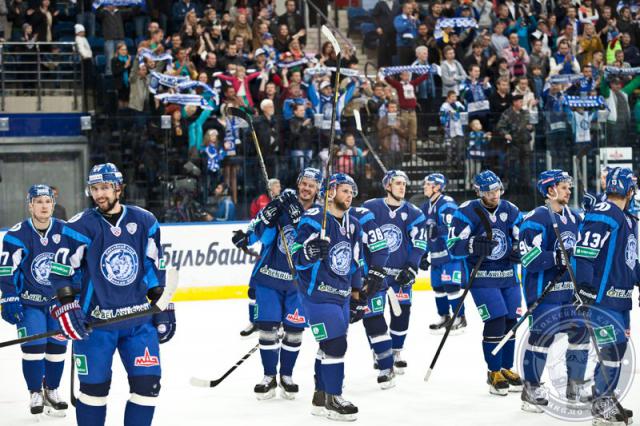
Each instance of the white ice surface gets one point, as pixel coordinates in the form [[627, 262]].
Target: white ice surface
[[207, 343]]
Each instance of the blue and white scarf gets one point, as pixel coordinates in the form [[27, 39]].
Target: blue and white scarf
[[166, 80], [149, 54], [297, 63], [193, 84], [584, 101], [118, 3], [182, 99], [609, 70], [461, 22], [417, 69], [565, 78]]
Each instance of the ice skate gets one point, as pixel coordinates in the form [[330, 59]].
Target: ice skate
[[386, 379], [266, 389], [53, 405], [498, 385], [533, 397], [288, 389], [399, 364], [438, 327], [514, 380], [338, 408]]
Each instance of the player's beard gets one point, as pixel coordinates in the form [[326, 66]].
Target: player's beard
[[110, 205], [341, 205]]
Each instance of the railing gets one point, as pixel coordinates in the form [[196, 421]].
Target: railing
[[40, 69], [322, 19]]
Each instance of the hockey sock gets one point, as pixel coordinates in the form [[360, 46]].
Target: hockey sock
[[318, 370], [138, 415], [508, 350], [332, 364], [454, 297], [90, 415], [535, 357], [269, 347], [399, 326], [379, 340], [492, 334], [33, 366], [577, 354], [252, 311], [53, 365], [442, 303], [289, 351], [607, 373]]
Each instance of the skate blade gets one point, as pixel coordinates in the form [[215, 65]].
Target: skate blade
[[398, 370], [332, 415], [603, 422], [287, 395], [52, 412], [438, 332], [531, 408], [387, 385], [499, 392], [514, 388], [457, 332], [264, 396], [319, 411]]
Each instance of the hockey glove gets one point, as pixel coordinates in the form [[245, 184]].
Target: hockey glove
[[357, 308], [434, 231], [584, 298], [12, 311], [316, 249], [406, 277], [588, 202], [514, 256], [165, 323], [270, 213], [288, 202], [481, 246], [72, 320], [373, 281], [559, 259], [240, 239], [424, 263]]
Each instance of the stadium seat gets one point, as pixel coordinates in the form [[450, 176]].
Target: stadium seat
[[97, 45], [101, 63], [355, 17], [63, 28], [368, 31]]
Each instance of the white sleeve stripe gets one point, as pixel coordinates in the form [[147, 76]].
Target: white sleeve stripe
[[94, 401], [32, 357], [54, 357], [147, 401]]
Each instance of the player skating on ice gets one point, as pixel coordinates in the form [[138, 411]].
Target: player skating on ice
[[606, 269], [376, 254], [496, 290], [446, 274], [403, 226], [113, 252], [28, 297], [277, 300], [330, 275], [543, 264]]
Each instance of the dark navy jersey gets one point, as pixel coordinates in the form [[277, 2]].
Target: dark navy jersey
[[25, 262], [331, 279], [439, 213], [118, 264], [496, 270], [538, 245], [374, 244], [606, 255]]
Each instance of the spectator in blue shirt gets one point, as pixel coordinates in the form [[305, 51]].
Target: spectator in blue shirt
[[406, 25]]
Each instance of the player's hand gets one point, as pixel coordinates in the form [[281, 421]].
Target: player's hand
[[316, 249], [406, 277], [357, 308], [270, 213], [373, 281], [588, 201], [240, 239], [481, 245], [434, 231], [424, 263], [72, 320], [165, 323], [288, 202], [559, 258], [584, 297], [514, 256], [12, 311]]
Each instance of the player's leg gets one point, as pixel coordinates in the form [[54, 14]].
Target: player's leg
[[453, 288], [442, 302], [139, 350], [270, 305], [513, 301], [377, 332], [577, 356], [251, 327], [93, 358], [33, 353], [53, 368], [398, 327], [294, 322]]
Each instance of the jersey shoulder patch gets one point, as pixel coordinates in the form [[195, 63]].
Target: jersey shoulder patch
[[448, 199], [465, 204], [313, 211], [16, 227], [76, 217]]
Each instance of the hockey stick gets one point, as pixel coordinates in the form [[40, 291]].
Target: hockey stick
[[527, 314], [587, 323], [159, 306], [72, 384], [356, 115], [487, 228], [332, 133], [204, 383]]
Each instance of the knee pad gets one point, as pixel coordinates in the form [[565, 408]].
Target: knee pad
[[267, 331], [494, 329], [148, 386], [375, 326], [293, 336], [539, 342], [55, 353], [94, 394], [334, 348], [33, 352]]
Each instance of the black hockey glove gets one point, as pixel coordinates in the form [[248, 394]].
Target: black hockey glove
[[559, 259], [514, 256], [316, 249], [406, 277], [481, 246], [240, 239], [288, 202], [165, 323], [373, 281], [270, 213], [424, 263], [434, 231], [357, 308], [584, 298]]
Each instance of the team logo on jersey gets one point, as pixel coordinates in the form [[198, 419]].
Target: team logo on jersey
[[401, 295], [340, 258], [82, 367], [296, 318], [115, 230], [501, 249], [393, 235], [119, 264], [404, 216], [288, 232], [56, 238], [392, 214], [147, 360], [504, 217], [41, 267], [569, 240], [631, 252], [44, 241], [132, 228]]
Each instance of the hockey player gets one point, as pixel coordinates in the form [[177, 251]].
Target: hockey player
[[330, 275], [114, 251], [606, 267], [589, 199], [542, 263], [27, 298], [277, 299], [495, 290], [403, 226], [446, 274], [376, 254]]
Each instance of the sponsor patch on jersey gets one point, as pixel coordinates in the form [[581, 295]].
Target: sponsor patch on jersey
[[631, 252], [115, 230], [296, 318], [41, 268], [484, 312], [56, 238], [44, 241], [401, 295], [119, 264], [147, 360], [132, 227], [319, 331], [563, 219], [501, 249], [393, 235], [82, 367], [457, 277], [340, 258], [377, 305], [22, 332], [605, 335], [289, 234], [255, 312]]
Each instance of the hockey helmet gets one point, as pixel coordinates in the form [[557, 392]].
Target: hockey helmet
[[550, 178]]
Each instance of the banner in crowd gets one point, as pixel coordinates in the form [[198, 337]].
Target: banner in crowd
[[118, 3]]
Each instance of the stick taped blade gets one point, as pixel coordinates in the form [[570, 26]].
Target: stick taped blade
[[329, 35], [200, 383], [171, 285], [393, 301], [356, 115], [428, 375]]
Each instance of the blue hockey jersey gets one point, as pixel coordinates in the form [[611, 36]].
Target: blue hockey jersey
[[606, 255], [374, 244], [439, 213], [331, 279], [25, 262], [118, 264], [496, 270], [405, 232], [538, 245]]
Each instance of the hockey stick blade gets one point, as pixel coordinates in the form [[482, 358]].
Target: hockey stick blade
[[204, 383], [329, 35], [393, 301], [356, 115], [237, 112]]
